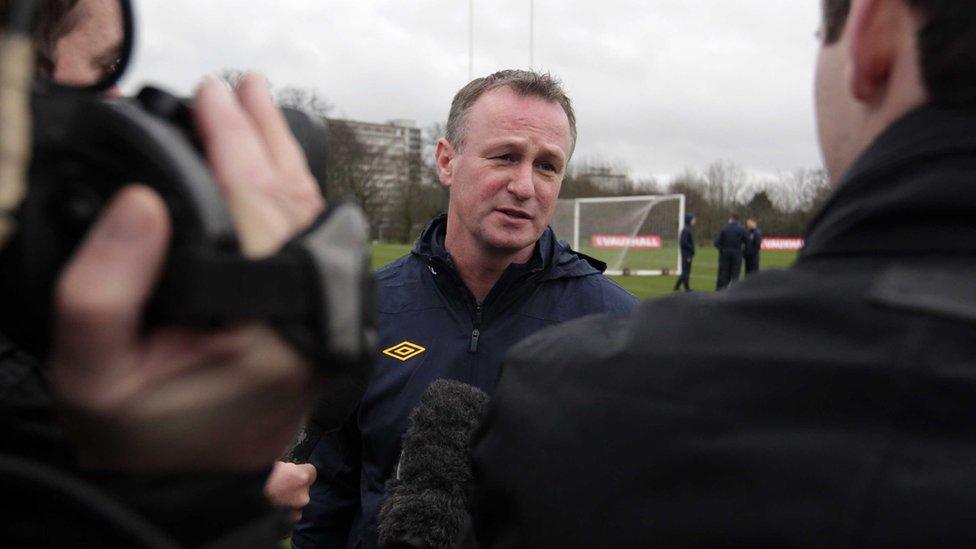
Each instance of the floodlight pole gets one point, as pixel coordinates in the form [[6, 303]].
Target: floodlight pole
[[470, 40], [531, 34], [576, 224], [681, 224]]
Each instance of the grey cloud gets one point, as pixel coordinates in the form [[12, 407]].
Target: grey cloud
[[659, 85]]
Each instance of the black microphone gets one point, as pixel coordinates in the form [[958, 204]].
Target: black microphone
[[427, 499]]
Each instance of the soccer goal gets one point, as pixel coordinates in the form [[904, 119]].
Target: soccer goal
[[633, 235]]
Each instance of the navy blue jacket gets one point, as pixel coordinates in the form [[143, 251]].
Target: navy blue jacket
[[732, 236], [687, 242], [754, 243], [426, 311]]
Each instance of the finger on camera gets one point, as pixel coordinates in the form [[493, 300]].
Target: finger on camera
[[101, 294], [231, 139], [254, 95], [293, 182]]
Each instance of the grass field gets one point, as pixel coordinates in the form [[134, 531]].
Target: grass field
[[703, 273]]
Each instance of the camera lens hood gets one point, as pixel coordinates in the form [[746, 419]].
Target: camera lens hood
[[317, 291]]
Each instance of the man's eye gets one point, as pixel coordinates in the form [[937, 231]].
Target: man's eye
[[505, 157], [547, 166]]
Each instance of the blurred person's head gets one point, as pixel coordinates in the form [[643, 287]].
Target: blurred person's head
[[89, 44], [690, 220], [55, 19], [751, 223], [508, 140], [733, 217], [880, 59], [77, 42]]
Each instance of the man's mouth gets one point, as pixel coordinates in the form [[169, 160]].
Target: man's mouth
[[514, 213]]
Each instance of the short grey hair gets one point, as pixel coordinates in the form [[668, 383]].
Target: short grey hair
[[523, 83]]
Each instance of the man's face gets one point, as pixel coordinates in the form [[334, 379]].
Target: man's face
[[751, 223], [505, 180], [90, 50], [835, 105]]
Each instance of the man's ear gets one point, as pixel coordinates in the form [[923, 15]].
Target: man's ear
[[444, 157], [876, 29]]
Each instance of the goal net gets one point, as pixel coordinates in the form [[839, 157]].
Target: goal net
[[633, 235]]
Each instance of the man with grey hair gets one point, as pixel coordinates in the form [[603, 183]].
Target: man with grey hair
[[479, 279]]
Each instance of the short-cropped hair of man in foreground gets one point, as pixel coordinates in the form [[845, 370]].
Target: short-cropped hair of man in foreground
[[478, 280], [831, 404]]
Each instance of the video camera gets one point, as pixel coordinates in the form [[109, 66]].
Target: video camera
[[317, 290]]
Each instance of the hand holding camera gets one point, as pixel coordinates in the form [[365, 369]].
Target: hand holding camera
[[190, 309], [177, 397]]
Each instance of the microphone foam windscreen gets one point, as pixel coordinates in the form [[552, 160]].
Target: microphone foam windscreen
[[427, 499]]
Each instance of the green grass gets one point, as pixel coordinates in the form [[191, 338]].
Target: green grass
[[658, 259], [385, 253], [703, 273]]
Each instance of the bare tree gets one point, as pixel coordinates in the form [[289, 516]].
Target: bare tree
[[355, 169], [305, 99], [800, 190], [648, 185], [725, 183], [231, 76], [422, 196]]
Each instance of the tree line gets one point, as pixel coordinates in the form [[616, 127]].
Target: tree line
[[782, 205]]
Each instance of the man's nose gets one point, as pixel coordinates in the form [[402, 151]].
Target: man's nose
[[521, 184]]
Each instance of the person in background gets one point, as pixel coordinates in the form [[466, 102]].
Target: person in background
[[753, 246], [687, 245], [730, 242]]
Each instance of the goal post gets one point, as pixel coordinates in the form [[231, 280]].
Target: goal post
[[633, 235]]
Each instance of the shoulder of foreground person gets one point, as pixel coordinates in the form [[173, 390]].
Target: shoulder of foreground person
[[731, 417]]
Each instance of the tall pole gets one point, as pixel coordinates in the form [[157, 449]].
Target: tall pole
[[470, 40], [531, 34]]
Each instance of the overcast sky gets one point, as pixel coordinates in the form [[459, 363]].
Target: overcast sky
[[658, 85]]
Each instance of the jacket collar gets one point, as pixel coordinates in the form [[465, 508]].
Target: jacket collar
[[553, 257], [912, 191]]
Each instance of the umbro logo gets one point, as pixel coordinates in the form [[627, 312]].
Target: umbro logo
[[404, 351]]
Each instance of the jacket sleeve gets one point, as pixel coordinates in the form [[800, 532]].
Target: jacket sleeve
[[615, 300], [335, 497], [757, 243], [718, 240]]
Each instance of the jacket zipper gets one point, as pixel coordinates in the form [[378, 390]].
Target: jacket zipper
[[476, 328], [476, 332]]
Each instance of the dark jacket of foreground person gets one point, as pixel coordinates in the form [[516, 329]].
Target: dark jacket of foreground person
[[423, 301], [50, 501], [832, 404]]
